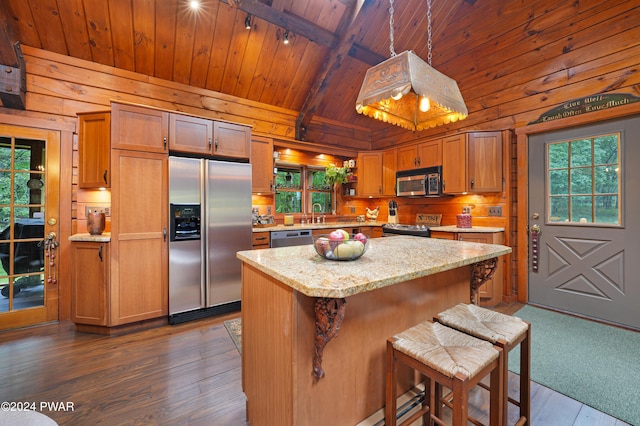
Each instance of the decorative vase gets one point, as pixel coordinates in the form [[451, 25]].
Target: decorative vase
[[95, 223]]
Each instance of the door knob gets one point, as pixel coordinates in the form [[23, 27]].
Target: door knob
[[535, 216]]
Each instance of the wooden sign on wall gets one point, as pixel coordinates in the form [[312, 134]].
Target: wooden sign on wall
[[586, 105]]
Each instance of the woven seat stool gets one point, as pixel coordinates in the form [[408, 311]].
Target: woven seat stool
[[505, 332], [445, 358]]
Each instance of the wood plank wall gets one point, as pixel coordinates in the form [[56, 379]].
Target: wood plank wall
[[512, 74]]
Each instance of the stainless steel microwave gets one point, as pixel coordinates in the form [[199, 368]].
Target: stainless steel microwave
[[425, 182]]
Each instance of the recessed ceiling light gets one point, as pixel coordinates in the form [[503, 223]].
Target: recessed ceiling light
[[194, 4]]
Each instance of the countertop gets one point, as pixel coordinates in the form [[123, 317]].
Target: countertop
[[105, 237], [332, 225], [453, 228], [387, 261]]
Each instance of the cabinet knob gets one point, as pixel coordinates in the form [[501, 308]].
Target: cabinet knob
[[472, 183]]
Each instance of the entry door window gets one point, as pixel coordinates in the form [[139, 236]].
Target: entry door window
[[22, 200], [583, 181]]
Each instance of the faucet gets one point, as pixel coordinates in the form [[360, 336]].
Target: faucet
[[313, 210]]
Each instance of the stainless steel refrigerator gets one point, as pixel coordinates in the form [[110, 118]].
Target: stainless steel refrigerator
[[210, 220]]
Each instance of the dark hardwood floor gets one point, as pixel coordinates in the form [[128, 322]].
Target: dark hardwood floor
[[187, 374]]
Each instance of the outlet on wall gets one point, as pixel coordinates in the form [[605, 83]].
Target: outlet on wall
[[105, 210], [495, 211]]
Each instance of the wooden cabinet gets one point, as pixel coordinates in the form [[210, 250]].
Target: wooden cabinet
[[369, 174], [425, 154], [262, 165], [94, 143], [389, 160], [490, 293], [190, 134], [139, 204], [139, 129], [90, 264], [196, 135], [472, 162], [484, 162], [261, 240], [231, 140]]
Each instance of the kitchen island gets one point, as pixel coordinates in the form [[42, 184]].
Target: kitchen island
[[314, 331]]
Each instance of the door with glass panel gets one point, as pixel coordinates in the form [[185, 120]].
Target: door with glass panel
[[28, 226], [584, 211]]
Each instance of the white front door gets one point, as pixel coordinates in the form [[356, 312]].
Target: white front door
[[584, 214]]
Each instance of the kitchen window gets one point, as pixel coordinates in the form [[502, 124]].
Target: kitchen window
[[302, 186]]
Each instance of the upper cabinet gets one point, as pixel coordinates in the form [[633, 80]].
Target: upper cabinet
[[369, 174], [231, 140], [94, 142], [389, 161], [377, 173], [425, 154], [262, 165], [472, 162], [195, 135], [139, 129], [190, 134]]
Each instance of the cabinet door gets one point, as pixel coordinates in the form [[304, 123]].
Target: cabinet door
[[89, 283], [139, 274], [389, 159], [430, 153], [139, 129], [454, 165], [190, 134], [261, 165], [407, 158], [484, 162], [370, 174], [94, 143], [231, 140]]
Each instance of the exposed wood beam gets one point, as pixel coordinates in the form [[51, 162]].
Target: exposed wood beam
[[287, 21], [13, 82], [351, 25]]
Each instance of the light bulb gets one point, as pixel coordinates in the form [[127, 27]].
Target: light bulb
[[396, 95], [424, 105], [194, 4]]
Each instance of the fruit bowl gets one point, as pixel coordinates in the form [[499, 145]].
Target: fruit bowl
[[343, 247]]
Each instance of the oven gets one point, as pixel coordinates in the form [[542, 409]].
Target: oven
[[395, 229]]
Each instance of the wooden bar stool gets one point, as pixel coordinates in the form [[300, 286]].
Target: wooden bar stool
[[505, 332], [444, 357]]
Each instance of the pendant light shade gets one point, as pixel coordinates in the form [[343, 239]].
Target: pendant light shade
[[406, 91]]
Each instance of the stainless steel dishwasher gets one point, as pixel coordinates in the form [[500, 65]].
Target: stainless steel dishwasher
[[291, 238]]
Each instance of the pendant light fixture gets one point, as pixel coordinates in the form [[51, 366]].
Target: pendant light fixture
[[406, 91]]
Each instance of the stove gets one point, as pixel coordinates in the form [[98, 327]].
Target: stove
[[391, 229]]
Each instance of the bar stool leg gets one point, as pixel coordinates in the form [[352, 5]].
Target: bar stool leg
[[498, 389], [392, 372], [525, 377]]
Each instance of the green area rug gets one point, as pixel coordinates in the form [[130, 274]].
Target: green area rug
[[234, 327], [596, 364]]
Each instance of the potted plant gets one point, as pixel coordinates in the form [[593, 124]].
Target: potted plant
[[335, 176]]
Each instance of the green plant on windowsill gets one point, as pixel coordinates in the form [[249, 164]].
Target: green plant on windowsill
[[335, 176]]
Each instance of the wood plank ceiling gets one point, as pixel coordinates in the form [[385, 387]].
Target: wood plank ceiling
[[318, 74]]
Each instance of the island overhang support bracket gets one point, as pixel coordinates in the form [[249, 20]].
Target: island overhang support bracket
[[481, 272], [329, 315]]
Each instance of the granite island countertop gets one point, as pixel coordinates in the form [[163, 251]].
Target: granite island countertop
[[387, 261]]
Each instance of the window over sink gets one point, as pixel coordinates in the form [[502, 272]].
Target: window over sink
[[299, 188]]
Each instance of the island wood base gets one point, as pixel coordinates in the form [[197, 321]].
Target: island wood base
[[278, 333]]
